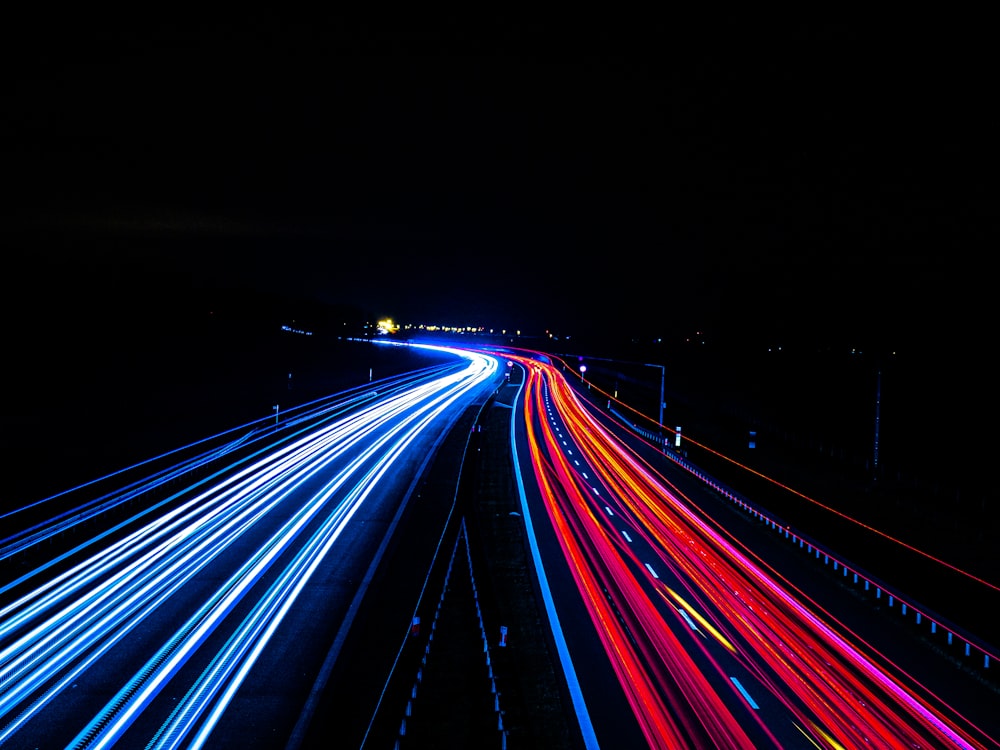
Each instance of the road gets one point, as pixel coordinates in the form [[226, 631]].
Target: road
[[196, 606], [284, 616], [666, 618]]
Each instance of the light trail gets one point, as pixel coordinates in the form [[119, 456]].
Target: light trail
[[691, 686], [271, 521]]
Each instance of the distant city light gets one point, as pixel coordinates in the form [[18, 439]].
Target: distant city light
[[387, 326]]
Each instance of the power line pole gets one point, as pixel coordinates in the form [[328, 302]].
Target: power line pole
[[878, 398]]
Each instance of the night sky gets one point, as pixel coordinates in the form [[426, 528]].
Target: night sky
[[793, 191], [778, 177]]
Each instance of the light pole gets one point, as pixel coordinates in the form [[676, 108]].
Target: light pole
[[663, 378]]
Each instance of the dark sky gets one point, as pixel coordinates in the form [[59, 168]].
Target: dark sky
[[821, 176]]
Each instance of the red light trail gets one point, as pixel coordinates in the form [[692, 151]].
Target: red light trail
[[710, 649]]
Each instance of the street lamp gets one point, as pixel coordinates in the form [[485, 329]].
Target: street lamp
[[663, 377]]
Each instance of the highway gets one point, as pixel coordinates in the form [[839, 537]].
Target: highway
[[663, 617], [194, 606], [201, 601]]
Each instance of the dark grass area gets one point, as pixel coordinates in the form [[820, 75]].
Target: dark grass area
[[892, 444]]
